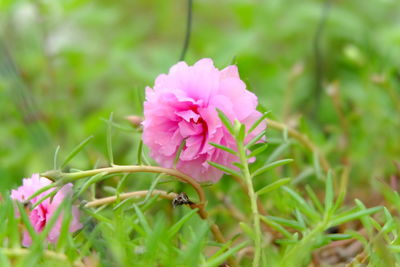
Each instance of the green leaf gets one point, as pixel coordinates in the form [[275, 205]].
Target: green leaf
[[120, 184], [314, 199], [139, 152], [273, 186], [257, 122], [254, 140], [258, 150], [364, 219], [335, 237], [26, 221], [179, 151], [4, 262], [224, 168], [41, 190], [53, 219], [303, 205], [239, 165], [151, 189], [224, 148], [12, 225], [329, 193], [286, 222], [278, 152], [248, 230], [241, 133], [109, 140], [317, 165], [178, 225], [98, 216], [76, 150], [395, 248], [276, 226], [338, 220], [55, 159], [94, 179], [342, 189], [224, 256], [64, 230], [226, 121], [271, 166], [142, 219], [49, 195]]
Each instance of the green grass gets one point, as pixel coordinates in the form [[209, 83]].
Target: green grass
[[70, 71]]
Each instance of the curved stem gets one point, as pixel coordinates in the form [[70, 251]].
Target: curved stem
[[135, 194], [69, 177], [302, 139]]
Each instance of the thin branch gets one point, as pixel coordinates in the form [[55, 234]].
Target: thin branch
[[135, 194], [188, 30], [319, 61]]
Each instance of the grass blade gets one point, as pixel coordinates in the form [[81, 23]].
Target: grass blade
[[178, 225], [224, 256], [109, 140], [77, 149]]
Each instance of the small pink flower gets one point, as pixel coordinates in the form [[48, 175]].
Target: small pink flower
[[182, 106], [41, 214]]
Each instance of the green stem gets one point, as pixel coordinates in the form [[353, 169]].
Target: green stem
[[253, 200], [70, 177]]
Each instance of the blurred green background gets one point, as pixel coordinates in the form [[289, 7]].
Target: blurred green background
[[328, 68]]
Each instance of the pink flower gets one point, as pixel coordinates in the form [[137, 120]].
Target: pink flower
[[182, 106], [40, 215]]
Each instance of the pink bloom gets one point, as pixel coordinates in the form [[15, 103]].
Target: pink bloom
[[41, 214], [182, 106]]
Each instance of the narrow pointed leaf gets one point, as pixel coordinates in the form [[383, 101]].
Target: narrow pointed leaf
[[109, 140], [220, 259], [255, 140], [254, 126], [178, 225], [329, 193], [224, 148], [76, 150], [94, 179], [355, 215], [226, 121], [224, 168], [273, 186], [271, 166], [258, 150]]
